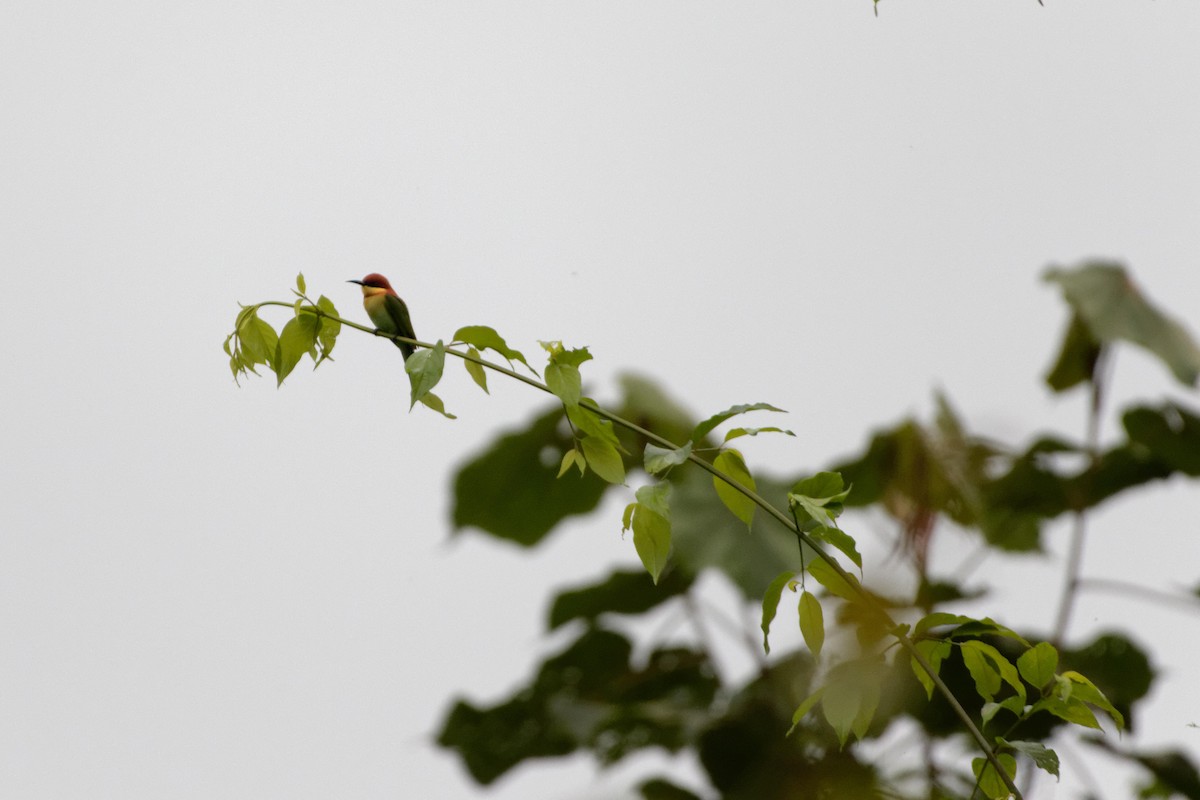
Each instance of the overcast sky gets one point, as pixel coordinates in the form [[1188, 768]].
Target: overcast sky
[[208, 591]]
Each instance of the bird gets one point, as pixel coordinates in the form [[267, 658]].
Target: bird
[[387, 311]]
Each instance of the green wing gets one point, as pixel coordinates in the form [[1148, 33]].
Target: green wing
[[398, 312]]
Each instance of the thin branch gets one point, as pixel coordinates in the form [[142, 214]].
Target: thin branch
[[896, 631]]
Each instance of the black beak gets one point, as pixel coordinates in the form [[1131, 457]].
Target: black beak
[[360, 283]]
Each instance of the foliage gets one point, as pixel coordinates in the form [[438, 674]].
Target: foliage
[[704, 509]]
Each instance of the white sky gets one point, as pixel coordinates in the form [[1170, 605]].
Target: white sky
[[213, 592]]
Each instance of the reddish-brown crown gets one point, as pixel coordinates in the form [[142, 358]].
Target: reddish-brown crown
[[377, 281]]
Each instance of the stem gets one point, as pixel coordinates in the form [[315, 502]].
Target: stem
[[1079, 527], [897, 631]]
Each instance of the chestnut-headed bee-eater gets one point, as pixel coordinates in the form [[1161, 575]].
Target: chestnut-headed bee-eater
[[386, 310]]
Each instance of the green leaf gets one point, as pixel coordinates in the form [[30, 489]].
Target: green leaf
[[656, 459], [432, 401], [818, 500], [1042, 756], [990, 782], [731, 463], [651, 539], [770, 604], [561, 355], [934, 651], [300, 282], [938, 619], [1071, 710], [257, 338], [841, 703], [812, 623], [592, 424], [475, 370], [834, 583], [987, 679], [839, 539], [739, 432], [1113, 309], [705, 427], [1077, 357], [329, 328], [1083, 689], [568, 460], [604, 459], [565, 382], [485, 338], [298, 337], [802, 710], [1038, 664], [1003, 667], [424, 368]]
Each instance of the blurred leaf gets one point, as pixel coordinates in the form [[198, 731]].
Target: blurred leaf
[[731, 463], [704, 535], [300, 282], [623, 592], [1118, 667], [1113, 309], [1173, 769], [934, 651], [1171, 433], [661, 789], [1077, 357], [510, 490], [705, 427]]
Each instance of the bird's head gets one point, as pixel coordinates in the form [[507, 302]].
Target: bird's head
[[374, 284]]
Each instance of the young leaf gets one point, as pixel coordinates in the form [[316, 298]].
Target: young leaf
[[938, 619], [812, 623], [329, 328], [475, 370], [568, 460], [820, 498], [604, 459], [651, 539], [1038, 664], [703, 428], [1042, 756], [656, 459], [297, 338], [432, 401], [1004, 668], [564, 381], [802, 710], [424, 368], [731, 463], [770, 604], [300, 282], [1071, 710]]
